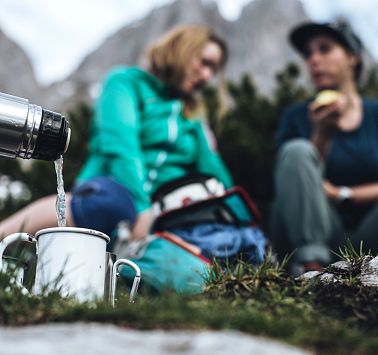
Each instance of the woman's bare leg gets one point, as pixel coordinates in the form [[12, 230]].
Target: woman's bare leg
[[38, 215]]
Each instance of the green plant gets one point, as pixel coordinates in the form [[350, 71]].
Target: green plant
[[268, 280], [350, 254]]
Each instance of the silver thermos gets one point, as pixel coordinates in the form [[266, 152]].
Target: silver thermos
[[30, 132]]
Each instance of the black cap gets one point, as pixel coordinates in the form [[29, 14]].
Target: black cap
[[340, 31], [53, 134]]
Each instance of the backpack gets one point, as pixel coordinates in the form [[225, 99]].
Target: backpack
[[222, 223]]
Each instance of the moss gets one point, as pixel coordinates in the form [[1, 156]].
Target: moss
[[337, 319]]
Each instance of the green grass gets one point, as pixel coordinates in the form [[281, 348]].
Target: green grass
[[264, 301], [350, 254]]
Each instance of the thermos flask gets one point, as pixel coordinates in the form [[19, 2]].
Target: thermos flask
[[30, 132]]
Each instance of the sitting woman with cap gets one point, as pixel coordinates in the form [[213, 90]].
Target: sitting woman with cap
[[326, 176]]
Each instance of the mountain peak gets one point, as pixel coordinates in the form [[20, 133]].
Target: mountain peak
[[257, 43], [16, 74]]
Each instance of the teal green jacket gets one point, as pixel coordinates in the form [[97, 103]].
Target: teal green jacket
[[140, 137]]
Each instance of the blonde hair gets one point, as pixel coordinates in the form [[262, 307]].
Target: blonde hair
[[170, 55]]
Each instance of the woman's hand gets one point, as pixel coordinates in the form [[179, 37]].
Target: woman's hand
[[331, 191], [361, 194], [142, 225], [325, 122], [325, 118]]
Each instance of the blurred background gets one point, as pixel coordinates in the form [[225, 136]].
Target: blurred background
[[56, 53]]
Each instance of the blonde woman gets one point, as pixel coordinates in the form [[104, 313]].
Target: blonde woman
[[146, 131]]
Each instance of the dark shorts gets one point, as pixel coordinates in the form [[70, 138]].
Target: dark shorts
[[101, 203]]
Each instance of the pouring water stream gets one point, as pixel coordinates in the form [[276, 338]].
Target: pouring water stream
[[60, 205]]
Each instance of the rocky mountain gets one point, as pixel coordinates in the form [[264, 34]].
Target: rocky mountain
[[257, 41], [16, 72], [127, 46]]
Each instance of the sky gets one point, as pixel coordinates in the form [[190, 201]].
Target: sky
[[57, 35]]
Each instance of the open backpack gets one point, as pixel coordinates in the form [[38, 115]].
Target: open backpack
[[197, 221]]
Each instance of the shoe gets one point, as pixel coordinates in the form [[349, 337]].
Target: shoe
[[313, 266]]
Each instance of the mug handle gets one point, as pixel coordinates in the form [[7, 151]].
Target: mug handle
[[12, 238], [115, 274]]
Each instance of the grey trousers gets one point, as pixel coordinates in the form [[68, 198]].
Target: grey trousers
[[302, 217]]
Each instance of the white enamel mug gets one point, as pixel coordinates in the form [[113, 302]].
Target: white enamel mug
[[73, 261]]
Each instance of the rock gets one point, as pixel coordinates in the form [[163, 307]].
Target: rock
[[366, 261], [99, 339], [342, 265], [327, 277], [309, 275], [339, 272], [369, 273]]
